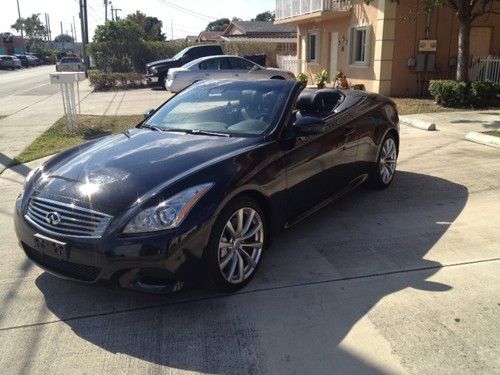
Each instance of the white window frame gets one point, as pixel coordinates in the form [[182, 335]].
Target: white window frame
[[353, 46], [316, 49]]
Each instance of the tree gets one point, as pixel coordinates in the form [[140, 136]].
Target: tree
[[467, 11], [64, 38], [117, 46], [150, 25], [265, 16], [218, 25], [33, 30]]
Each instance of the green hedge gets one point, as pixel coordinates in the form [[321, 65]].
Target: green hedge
[[458, 94], [102, 81]]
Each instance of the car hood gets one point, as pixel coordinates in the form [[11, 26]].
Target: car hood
[[159, 62], [110, 175]]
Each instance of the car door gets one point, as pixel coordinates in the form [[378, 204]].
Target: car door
[[318, 167], [215, 68]]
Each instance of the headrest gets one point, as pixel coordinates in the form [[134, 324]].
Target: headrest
[[305, 102], [250, 99]]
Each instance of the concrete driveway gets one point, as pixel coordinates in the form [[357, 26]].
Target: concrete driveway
[[404, 280]]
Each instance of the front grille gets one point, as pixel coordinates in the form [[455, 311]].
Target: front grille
[[66, 219], [63, 267]]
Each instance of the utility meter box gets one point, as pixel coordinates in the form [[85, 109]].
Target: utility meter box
[[66, 77]]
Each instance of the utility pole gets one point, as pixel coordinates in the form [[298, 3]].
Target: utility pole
[[116, 13], [50, 29], [112, 14], [74, 28], [85, 34], [22, 32], [171, 29], [105, 11], [62, 37], [72, 33]]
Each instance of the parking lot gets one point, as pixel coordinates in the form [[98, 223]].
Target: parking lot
[[397, 281]]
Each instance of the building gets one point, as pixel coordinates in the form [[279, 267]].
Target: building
[[10, 44], [391, 49], [209, 36], [277, 42]]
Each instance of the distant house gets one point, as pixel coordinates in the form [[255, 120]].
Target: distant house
[[277, 42], [192, 38], [378, 45], [209, 36]]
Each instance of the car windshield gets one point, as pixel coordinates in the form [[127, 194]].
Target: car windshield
[[180, 54], [230, 108]]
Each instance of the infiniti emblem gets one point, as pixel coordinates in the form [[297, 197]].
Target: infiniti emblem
[[53, 218]]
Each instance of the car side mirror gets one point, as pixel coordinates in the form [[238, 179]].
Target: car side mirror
[[305, 125], [148, 113]]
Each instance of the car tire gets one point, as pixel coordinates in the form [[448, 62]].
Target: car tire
[[383, 171], [162, 80], [231, 259]]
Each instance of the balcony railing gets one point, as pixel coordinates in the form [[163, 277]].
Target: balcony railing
[[293, 8]]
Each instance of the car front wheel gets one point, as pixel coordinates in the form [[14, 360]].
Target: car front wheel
[[237, 241]]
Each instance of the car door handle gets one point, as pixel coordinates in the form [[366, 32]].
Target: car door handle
[[236, 75], [207, 75]]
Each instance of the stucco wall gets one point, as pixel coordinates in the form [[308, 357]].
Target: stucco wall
[[444, 28]]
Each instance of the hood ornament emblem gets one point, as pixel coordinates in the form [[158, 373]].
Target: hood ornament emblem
[[53, 218]]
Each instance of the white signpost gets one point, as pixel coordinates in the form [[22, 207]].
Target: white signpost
[[67, 82]]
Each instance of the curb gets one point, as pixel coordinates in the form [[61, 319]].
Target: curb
[[417, 123], [483, 139]]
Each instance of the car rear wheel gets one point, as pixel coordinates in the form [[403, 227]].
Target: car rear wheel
[[237, 241], [383, 171]]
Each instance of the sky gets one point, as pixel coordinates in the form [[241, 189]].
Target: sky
[[190, 20]]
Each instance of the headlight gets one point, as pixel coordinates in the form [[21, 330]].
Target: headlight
[[29, 177], [168, 214], [153, 69]]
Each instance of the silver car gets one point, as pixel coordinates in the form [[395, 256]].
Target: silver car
[[220, 67], [10, 62], [70, 64]]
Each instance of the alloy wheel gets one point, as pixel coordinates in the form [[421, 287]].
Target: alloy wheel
[[387, 163], [240, 245]]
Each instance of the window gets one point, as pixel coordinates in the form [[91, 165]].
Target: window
[[313, 47], [241, 64], [212, 64], [359, 46]]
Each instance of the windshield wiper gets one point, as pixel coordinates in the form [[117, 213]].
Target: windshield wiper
[[197, 131], [153, 127]]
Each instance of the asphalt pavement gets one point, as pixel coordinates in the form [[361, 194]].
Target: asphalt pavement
[[404, 280]]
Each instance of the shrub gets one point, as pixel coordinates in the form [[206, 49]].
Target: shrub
[[450, 93], [302, 78], [102, 81], [485, 93]]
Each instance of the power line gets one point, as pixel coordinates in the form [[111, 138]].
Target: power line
[[188, 11]]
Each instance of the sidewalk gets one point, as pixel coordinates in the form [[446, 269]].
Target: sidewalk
[[461, 123]]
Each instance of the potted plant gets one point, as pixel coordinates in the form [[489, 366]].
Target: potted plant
[[302, 78], [341, 80], [321, 78]]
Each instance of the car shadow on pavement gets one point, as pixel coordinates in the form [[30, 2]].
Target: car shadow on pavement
[[6, 162], [318, 280]]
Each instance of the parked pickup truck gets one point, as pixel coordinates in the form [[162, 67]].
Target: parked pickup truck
[[156, 71]]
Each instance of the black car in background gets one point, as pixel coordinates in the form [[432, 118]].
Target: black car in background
[[197, 189], [156, 71], [24, 60]]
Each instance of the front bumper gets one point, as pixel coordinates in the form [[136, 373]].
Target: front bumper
[[151, 78], [130, 261]]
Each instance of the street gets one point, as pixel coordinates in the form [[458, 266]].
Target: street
[[403, 280], [31, 81]]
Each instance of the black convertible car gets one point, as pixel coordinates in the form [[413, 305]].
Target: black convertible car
[[197, 189]]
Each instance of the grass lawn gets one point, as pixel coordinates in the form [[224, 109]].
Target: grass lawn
[[495, 133], [58, 138], [410, 106]]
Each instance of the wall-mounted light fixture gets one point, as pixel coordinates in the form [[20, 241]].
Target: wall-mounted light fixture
[[342, 43]]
